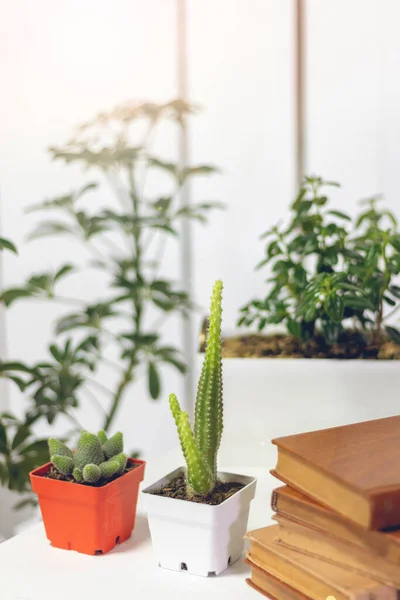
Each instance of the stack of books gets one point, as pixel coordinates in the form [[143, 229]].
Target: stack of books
[[337, 531]]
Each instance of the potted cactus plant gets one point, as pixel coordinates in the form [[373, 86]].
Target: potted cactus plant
[[197, 515], [88, 497]]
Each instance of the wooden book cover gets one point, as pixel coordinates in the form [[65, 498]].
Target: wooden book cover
[[270, 586], [315, 543], [352, 469], [289, 502], [312, 577]]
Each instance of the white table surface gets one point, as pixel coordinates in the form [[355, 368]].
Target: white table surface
[[30, 569]]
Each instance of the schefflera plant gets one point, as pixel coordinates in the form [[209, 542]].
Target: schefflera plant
[[200, 445], [96, 457]]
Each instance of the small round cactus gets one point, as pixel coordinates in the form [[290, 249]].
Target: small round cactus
[[96, 457], [91, 473]]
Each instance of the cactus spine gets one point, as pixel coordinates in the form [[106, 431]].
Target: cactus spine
[[96, 457], [200, 448]]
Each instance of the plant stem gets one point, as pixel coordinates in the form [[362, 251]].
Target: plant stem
[[66, 300], [391, 313], [101, 387], [137, 301], [118, 396], [93, 398]]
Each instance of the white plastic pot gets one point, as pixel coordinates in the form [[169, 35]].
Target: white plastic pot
[[198, 538]]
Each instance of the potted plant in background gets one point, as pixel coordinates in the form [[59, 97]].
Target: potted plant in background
[[331, 279], [88, 497], [198, 516], [103, 345], [332, 293]]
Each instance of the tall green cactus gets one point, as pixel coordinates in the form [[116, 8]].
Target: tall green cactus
[[200, 447], [96, 457]]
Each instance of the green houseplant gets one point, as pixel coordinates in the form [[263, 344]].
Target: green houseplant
[[331, 281], [88, 497], [210, 508], [123, 239]]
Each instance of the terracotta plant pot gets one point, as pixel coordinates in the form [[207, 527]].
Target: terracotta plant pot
[[90, 520], [198, 538]]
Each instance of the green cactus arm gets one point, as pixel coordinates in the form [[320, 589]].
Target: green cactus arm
[[122, 460], [175, 408], [199, 477], [114, 445], [88, 451], [209, 408], [109, 468], [176, 413], [77, 475], [91, 473], [102, 436], [64, 464], [58, 448]]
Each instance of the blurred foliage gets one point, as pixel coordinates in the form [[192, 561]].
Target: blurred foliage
[[329, 272], [127, 246]]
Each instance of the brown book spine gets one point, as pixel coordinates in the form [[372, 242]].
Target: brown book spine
[[385, 508], [274, 501]]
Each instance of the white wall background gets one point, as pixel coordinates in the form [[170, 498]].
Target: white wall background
[[67, 60], [63, 63]]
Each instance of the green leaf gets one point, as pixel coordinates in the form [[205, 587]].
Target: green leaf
[[14, 366], [3, 439], [393, 333], [357, 302], [86, 188], [389, 301], [339, 214], [304, 206], [182, 368], [349, 287], [334, 307], [22, 434], [331, 331], [330, 257], [262, 263], [153, 381], [300, 196], [64, 270], [294, 327], [165, 166], [56, 352], [241, 321], [6, 244], [9, 296], [18, 381], [9, 416], [36, 447], [395, 290], [48, 228], [273, 249], [31, 501], [196, 170], [300, 275], [395, 242], [261, 324], [166, 305], [372, 257]]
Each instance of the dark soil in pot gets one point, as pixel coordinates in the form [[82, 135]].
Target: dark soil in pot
[[53, 473], [285, 346], [177, 489]]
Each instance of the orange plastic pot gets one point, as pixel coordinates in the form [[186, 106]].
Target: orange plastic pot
[[88, 519]]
